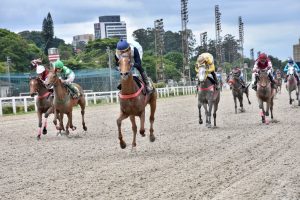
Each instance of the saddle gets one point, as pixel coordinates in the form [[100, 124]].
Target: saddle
[[71, 91]]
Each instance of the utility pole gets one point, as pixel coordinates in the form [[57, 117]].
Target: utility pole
[[218, 35], [203, 40], [241, 41], [8, 62], [108, 51], [185, 43], [159, 47]]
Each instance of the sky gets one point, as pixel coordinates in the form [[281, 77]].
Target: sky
[[271, 26]]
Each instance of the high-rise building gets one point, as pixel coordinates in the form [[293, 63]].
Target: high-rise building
[[296, 52], [77, 39], [110, 26]]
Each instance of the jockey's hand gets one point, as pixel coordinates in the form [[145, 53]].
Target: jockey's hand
[[62, 80]]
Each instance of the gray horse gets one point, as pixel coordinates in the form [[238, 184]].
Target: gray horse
[[238, 91], [291, 85], [208, 97]]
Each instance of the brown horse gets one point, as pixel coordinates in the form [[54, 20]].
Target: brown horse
[[44, 102], [291, 85], [278, 81], [265, 93], [64, 103], [133, 102]]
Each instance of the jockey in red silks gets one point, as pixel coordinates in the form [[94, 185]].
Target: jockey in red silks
[[262, 63]]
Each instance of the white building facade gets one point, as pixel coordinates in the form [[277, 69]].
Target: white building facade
[[109, 27]]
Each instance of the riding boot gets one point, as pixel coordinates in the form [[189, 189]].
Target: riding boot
[[273, 84], [242, 83], [145, 78], [254, 86], [216, 80], [74, 92]]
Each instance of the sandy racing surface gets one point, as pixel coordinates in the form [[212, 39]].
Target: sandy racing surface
[[241, 159]]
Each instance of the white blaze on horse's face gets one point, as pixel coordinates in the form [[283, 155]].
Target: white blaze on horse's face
[[201, 74], [291, 71]]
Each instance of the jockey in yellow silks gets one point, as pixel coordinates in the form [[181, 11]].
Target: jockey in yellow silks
[[208, 60]]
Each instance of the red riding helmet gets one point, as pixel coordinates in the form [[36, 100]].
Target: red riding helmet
[[262, 56]]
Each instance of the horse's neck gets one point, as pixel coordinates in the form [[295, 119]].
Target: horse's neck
[[42, 90], [206, 83], [60, 91], [128, 86]]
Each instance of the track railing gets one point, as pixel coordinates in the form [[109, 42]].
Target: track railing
[[24, 102]]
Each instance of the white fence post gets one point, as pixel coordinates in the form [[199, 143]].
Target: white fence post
[[35, 107], [86, 100], [111, 97], [25, 104], [1, 111], [117, 97], [94, 95], [14, 105]]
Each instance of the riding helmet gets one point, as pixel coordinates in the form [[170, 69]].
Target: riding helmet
[[122, 45], [58, 64]]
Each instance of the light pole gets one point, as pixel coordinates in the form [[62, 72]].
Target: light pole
[[185, 43], [108, 51], [159, 47], [8, 61]]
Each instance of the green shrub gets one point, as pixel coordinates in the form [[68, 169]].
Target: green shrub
[[7, 110], [31, 108], [159, 85]]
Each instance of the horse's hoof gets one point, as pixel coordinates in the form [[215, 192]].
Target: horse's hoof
[[44, 131], [200, 122], [38, 137], [152, 138], [85, 128], [208, 125], [123, 145], [142, 132], [73, 128]]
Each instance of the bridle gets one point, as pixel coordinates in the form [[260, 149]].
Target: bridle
[[129, 72]]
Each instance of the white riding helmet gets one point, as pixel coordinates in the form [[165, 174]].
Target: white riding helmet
[[40, 69]]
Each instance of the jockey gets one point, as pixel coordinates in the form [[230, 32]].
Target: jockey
[[42, 72], [237, 71], [67, 77], [262, 63], [34, 63], [294, 65], [208, 60], [123, 47]]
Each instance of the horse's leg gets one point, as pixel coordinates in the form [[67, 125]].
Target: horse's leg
[[119, 123], [206, 113], [49, 111], [235, 106], [210, 105], [152, 113], [39, 113], [82, 106], [271, 107], [290, 95], [199, 108], [261, 106], [142, 124], [134, 129], [241, 102], [216, 104], [61, 122], [247, 95]]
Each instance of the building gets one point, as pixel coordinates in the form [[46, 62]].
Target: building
[[81, 39], [296, 52], [110, 26]]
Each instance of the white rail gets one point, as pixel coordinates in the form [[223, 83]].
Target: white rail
[[91, 97]]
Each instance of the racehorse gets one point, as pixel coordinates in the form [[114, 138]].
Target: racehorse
[[265, 93], [133, 101], [291, 85], [64, 103], [44, 102], [208, 97], [278, 81], [238, 91]]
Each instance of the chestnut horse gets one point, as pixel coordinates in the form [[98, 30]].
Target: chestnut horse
[[265, 93], [44, 102], [133, 102], [291, 85], [64, 103]]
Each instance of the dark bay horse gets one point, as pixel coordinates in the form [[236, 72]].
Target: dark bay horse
[[265, 93], [238, 91], [208, 97], [291, 85], [133, 102], [64, 103], [278, 81], [44, 102]]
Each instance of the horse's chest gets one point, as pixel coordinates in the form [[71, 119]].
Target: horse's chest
[[132, 107]]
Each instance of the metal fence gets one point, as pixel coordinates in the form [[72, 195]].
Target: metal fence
[[90, 97]]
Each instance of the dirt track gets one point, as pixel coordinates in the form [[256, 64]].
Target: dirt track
[[241, 159]]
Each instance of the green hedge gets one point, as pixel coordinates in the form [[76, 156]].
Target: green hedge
[[20, 109]]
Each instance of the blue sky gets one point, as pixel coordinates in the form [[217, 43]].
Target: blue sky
[[271, 26]]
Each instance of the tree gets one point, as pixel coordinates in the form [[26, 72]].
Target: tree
[[47, 32], [33, 36], [230, 47]]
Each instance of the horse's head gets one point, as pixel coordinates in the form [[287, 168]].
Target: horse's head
[[52, 79], [202, 73], [291, 71], [34, 86], [125, 66], [263, 78]]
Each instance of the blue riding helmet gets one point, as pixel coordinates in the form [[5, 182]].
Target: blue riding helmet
[[290, 60], [122, 45]]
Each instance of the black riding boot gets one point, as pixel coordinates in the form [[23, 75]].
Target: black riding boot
[[74, 92], [216, 80], [273, 84], [254, 86], [146, 81], [242, 83]]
